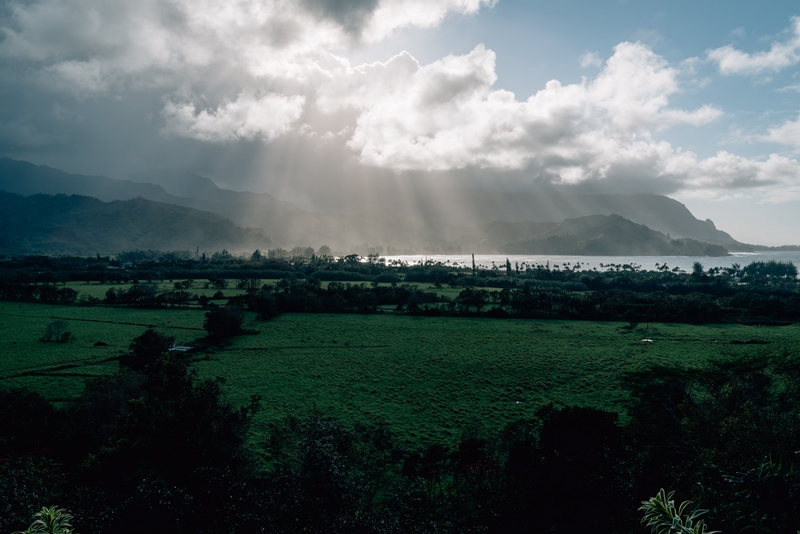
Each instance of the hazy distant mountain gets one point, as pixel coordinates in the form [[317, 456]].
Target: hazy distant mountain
[[27, 179], [600, 235], [284, 222], [475, 207], [192, 186], [61, 224], [439, 212], [436, 224], [432, 221]]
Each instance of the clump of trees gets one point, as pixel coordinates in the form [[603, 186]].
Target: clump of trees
[[223, 323], [308, 295], [146, 350], [57, 331]]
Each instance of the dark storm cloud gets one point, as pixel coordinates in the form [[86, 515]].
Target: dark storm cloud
[[351, 15]]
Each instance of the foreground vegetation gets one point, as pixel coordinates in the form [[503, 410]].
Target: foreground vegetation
[[155, 447]]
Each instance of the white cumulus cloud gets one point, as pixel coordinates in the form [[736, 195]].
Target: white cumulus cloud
[[779, 56], [729, 171], [249, 116], [93, 45], [787, 133], [590, 59], [446, 115]]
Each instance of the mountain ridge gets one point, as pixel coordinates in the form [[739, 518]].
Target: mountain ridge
[[608, 235], [82, 225], [461, 225]]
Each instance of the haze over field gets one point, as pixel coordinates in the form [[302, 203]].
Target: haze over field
[[455, 112]]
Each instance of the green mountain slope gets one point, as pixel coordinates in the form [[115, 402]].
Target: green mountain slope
[[43, 224], [605, 235]]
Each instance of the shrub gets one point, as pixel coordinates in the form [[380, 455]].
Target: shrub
[[146, 349], [224, 323], [387, 278], [53, 520], [661, 515], [57, 331]]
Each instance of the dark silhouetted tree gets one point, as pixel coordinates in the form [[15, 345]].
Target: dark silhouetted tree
[[224, 323], [146, 349]]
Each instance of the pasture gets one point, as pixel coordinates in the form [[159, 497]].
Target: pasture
[[58, 370], [203, 287], [428, 377], [431, 377], [198, 287]]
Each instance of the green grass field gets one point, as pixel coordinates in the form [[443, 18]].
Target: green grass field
[[428, 377], [58, 370], [98, 290]]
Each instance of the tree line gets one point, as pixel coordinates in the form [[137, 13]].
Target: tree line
[[604, 298]]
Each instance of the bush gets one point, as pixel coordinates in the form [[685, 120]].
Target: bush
[[53, 520], [387, 278], [224, 323], [340, 276], [147, 349], [57, 331]]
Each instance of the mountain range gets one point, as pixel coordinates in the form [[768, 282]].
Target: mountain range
[[545, 221], [81, 225]]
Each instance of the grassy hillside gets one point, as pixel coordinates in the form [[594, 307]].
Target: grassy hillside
[[42, 224]]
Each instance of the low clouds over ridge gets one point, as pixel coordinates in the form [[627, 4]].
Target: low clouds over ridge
[[248, 69]]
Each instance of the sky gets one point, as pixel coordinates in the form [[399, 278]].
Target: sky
[[307, 99]]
